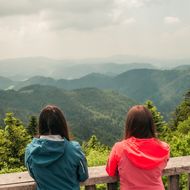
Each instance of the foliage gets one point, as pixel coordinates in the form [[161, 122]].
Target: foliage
[[13, 140], [96, 153], [32, 126], [182, 111], [179, 135], [184, 126], [12, 170], [95, 116], [161, 126], [88, 111]]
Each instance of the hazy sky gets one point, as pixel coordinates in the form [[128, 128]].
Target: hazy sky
[[94, 28]]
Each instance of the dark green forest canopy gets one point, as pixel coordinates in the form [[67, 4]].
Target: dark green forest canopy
[[164, 87], [14, 136], [88, 111]]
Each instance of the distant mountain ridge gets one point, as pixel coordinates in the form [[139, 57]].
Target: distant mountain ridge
[[5, 82], [164, 87], [24, 68], [183, 67]]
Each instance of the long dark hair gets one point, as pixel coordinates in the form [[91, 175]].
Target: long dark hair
[[139, 123], [53, 122]]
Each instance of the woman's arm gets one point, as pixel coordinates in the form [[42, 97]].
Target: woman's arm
[[112, 163]]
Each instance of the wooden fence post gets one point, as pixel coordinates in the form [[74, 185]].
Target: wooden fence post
[[188, 182], [90, 187], [173, 182], [112, 186]]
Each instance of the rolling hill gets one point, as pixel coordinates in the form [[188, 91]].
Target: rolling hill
[[164, 87], [88, 111], [6, 82]]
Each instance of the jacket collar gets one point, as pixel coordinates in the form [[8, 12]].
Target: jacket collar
[[52, 137]]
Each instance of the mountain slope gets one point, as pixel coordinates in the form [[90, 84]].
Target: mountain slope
[[164, 87], [88, 111], [5, 82]]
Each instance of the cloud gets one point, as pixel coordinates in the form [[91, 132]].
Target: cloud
[[129, 21], [71, 14], [25, 7], [171, 20], [64, 14], [135, 3], [61, 14], [18, 7]]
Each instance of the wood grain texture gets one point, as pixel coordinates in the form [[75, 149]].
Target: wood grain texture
[[97, 175]]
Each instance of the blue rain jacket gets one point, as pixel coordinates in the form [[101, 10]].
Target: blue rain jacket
[[56, 165]]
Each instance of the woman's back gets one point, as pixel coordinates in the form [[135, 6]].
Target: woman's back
[[55, 162], [137, 166], [140, 158], [140, 179], [56, 165]]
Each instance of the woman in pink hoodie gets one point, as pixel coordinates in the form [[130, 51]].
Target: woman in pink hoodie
[[140, 158]]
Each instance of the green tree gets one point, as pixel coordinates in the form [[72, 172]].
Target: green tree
[[3, 156], [161, 126], [182, 111], [184, 126], [32, 126], [179, 141], [96, 153], [93, 143], [14, 139]]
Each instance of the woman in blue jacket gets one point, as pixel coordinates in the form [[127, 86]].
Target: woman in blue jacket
[[55, 162]]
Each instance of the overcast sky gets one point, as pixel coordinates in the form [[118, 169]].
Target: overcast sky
[[73, 29]]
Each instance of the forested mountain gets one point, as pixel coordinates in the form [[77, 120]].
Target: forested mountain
[[90, 80], [164, 87], [107, 68], [88, 111], [5, 82], [36, 80], [183, 67]]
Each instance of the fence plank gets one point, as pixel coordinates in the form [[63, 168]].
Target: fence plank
[[98, 175], [20, 186], [173, 182], [112, 186], [90, 187]]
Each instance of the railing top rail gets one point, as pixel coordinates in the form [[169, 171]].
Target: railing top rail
[[97, 174]]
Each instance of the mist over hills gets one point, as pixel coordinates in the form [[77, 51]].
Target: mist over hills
[[24, 68], [6, 82], [139, 82], [88, 111], [95, 103], [182, 67]]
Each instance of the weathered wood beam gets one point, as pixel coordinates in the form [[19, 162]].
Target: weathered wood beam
[[173, 182], [97, 175]]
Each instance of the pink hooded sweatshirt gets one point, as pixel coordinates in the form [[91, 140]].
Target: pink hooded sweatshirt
[[139, 163]]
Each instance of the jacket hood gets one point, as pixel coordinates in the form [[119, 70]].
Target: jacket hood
[[146, 153], [44, 152]]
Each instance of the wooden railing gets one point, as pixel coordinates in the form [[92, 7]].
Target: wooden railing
[[98, 175]]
